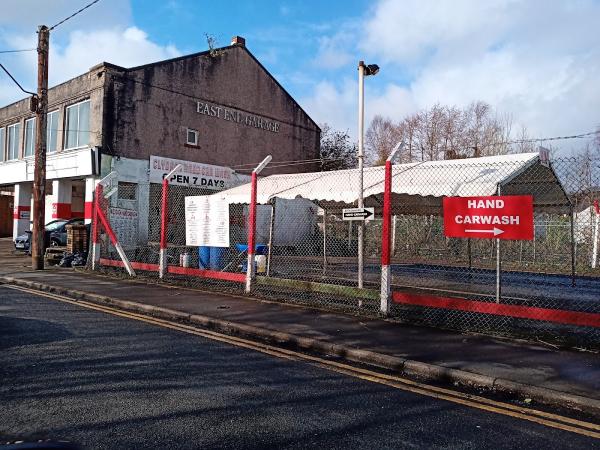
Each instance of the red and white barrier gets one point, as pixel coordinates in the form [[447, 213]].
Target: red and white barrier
[[99, 217]]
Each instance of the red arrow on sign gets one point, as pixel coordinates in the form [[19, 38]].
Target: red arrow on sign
[[501, 217]]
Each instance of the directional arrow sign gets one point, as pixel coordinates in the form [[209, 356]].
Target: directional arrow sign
[[495, 231], [500, 217], [365, 214]]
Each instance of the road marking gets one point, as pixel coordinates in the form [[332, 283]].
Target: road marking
[[473, 401]]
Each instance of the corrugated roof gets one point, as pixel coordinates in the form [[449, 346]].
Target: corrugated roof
[[459, 177]]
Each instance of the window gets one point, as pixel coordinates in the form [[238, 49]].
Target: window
[[2, 140], [192, 137], [78, 125], [13, 141], [51, 131], [29, 137]]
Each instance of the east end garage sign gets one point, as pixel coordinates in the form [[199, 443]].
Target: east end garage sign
[[206, 176], [500, 217]]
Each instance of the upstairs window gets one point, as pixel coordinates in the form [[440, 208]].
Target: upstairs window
[[192, 137], [13, 132], [2, 142], [29, 137], [51, 131], [77, 132]]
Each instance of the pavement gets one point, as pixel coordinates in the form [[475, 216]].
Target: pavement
[[520, 369], [103, 382]]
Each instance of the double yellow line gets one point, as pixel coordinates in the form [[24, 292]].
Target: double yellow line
[[472, 401]]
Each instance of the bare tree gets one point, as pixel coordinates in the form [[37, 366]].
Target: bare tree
[[337, 149], [445, 132], [381, 136]]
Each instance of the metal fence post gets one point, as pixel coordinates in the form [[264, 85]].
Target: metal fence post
[[595, 234], [573, 249], [252, 224], [164, 223], [324, 241], [386, 240], [386, 251], [498, 267], [271, 236], [162, 269]]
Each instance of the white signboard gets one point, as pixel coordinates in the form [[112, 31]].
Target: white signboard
[[204, 176], [363, 214], [206, 221], [124, 223]]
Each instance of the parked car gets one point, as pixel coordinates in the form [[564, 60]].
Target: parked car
[[56, 234]]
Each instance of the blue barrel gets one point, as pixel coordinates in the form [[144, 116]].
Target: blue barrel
[[217, 257], [203, 257]]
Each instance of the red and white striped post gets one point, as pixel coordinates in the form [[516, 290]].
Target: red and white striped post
[[164, 223], [252, 224], [95, 243], [386, 274]]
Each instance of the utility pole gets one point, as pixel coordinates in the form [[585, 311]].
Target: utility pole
[[39, 178]]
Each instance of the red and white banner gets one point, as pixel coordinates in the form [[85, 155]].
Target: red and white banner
[[499, 217]]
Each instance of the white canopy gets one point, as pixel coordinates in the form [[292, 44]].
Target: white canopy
[[419, 186]]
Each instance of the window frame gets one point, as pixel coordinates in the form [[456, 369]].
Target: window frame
[[25, 138], [76, 130], [2, 144], [48, 130], [8, 141], [187, 136]]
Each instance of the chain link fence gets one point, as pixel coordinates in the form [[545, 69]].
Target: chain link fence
[[308, 252]]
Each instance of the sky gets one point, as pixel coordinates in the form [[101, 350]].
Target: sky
[[536, 60]]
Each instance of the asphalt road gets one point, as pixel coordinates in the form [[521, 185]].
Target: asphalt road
[[108, 382]]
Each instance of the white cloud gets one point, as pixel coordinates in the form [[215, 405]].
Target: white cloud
[[336, 106], [332, 54], [536, 60], [125, 47], [128, 47]]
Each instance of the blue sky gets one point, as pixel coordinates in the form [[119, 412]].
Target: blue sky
[[536, 61]]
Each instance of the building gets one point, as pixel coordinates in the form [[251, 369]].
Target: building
[[213, 110]]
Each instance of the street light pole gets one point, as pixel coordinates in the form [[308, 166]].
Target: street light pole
[[363, 70], [361, 125]]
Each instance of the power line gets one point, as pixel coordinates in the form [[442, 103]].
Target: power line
[[16, 82], [252, 165], [296, 162], [555, 138], [74, 14], [18, 51]]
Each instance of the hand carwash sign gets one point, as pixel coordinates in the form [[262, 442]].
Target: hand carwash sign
[[500, 217], [205, 176]]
